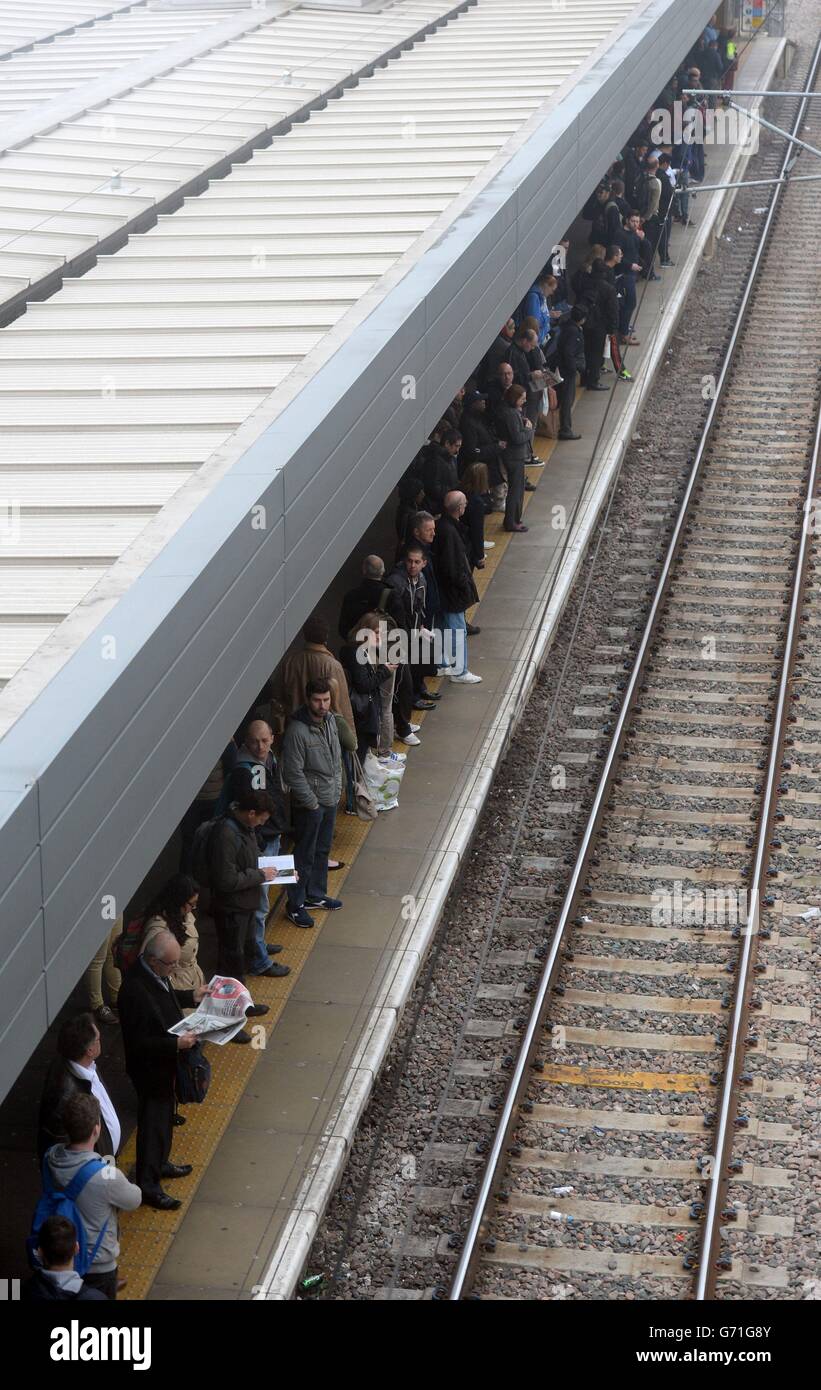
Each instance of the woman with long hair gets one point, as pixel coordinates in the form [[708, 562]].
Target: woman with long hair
[[475, 484], [173, 910]]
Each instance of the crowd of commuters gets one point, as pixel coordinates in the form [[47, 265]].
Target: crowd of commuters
[[278, 784]]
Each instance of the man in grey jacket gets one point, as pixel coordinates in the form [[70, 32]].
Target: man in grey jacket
[[311, 764], [103, 1195]]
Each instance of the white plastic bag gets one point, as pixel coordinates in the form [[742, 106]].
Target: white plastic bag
[[383, 782]]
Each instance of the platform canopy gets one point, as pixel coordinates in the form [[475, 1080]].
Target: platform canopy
[[197, 431]]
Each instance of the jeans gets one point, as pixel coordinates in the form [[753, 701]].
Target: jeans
[[258, 959], [313, 837], [457, 624], [384, 741]]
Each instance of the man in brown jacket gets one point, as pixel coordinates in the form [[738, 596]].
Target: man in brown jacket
[[316, 662]]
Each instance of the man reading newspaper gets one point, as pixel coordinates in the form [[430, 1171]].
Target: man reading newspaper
[[220, 1014]]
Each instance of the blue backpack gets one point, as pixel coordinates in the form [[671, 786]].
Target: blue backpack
[[62, 1201]]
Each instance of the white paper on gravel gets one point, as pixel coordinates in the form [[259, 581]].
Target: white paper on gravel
[[220, 1014]]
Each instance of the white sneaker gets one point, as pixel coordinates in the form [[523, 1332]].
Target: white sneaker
[[410, 739], [467, 679], [388, 758], [490, 545], [414, 728]]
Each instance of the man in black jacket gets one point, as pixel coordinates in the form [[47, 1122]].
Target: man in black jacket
[[441, 470], [407, 580], [630, 242], [523, 344], [74, 1069], [235, 880], [367, 597], [256, 769], [456, 587], [496, 353], [571, 361], [479, 443], [148, 1007]]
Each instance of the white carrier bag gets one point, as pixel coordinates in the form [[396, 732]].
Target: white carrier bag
[[383, 782]]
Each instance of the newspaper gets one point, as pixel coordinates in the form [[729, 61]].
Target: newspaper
[[220, 1014], [282, 864]]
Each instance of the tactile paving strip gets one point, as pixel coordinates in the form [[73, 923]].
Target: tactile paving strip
[[146, 1235]]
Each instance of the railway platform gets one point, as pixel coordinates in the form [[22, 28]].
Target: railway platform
[[272, 1140]]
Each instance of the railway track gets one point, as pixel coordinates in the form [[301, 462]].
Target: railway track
[[625, 1002], [674, 975]]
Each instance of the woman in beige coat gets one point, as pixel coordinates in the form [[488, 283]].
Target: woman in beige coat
[[173, 910]]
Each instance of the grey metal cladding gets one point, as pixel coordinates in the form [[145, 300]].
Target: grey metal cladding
[[22, 1031], [210, 618]]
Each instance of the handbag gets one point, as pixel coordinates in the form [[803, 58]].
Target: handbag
[[193, 1076], [364, 803]]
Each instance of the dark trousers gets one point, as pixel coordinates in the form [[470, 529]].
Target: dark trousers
[[313, 837], [567, 395], [627, 304], [403, 698], [155, 1119], [106, 1283], [515, 493], [615, 353], [235, 932], [594, 337]]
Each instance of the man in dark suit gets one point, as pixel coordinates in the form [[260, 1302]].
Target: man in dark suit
[[148, 1007], [74, 1069]]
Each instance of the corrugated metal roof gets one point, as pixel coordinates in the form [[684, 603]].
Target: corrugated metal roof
[[127, 380], [85, 179], [39, 74], [24, 22]]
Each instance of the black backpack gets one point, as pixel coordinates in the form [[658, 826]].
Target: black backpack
[[642, 194]]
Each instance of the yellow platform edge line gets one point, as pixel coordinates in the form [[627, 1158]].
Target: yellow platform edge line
[[146, 1234]]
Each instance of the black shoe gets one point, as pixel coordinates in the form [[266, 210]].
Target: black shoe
[[273, 950], [299, 916], [241, 1037], [529, 487], [600, 387], [178, 1120], [424, 704], [667, 265], [275, 972], [257, 1010], [570, 436], [176, 1170], [431, 694], [472, 630], [161, 1201]]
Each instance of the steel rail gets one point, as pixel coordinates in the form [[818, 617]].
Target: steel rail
[[718, 1178], [491, 1176]]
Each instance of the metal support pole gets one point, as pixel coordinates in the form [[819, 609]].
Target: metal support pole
[[721, 92], [695, 189], [785, 135]]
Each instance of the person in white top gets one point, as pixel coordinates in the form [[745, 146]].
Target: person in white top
[[74, 1070]]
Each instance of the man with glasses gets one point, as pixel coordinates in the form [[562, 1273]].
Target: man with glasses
[[148, 1007]]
